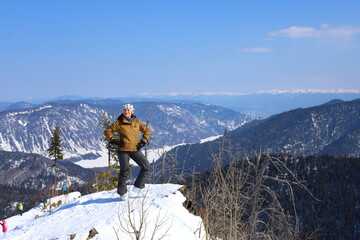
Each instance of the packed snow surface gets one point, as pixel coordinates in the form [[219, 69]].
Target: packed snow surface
[[160, 209]]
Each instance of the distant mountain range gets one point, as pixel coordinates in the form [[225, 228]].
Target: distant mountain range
[[29, 130], [259, 104], [13, 106], [332, 128], [265, 104]]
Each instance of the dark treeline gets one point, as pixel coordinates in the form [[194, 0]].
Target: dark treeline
[[11, 195], [325, 191], [335, 182]]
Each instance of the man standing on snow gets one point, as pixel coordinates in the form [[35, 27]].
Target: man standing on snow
[[128, 146], [21, 208], [44, 201]]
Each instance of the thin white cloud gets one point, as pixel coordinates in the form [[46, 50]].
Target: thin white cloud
[[344, 32], [256, 50], [295, 32]]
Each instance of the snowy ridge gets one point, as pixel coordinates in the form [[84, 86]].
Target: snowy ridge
[[105, 212], [29, 130]]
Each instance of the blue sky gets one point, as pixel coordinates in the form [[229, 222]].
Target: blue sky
[[123, 48]]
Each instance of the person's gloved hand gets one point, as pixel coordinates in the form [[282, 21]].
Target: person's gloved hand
[[117, 142], [140, 145]]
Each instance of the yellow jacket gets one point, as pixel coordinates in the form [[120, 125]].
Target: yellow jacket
[[128, 132]]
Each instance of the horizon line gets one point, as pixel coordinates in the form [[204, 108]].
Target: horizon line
[[194, 94]]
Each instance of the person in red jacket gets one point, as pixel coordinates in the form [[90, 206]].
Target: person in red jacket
[[4, 226]]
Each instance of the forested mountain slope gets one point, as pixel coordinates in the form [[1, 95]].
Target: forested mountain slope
[[332, 129]]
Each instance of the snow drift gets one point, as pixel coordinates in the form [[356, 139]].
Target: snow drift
[[159, 213]]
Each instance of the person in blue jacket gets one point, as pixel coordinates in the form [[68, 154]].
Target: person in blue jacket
[[64, 189]]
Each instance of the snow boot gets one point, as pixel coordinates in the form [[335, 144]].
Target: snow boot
[[124, 197], [138, 192]]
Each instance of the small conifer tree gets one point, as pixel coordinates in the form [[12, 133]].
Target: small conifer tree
[[105, 123], [55, 150], [108, 180]]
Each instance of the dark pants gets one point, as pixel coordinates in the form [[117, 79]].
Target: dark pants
[[143, 163]]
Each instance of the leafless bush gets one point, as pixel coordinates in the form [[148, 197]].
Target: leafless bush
[[238, 201], [168, 169], [136, 222]]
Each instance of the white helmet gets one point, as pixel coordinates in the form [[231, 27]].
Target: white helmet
[[129, 106]]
